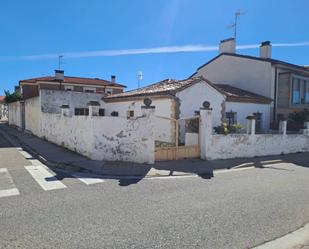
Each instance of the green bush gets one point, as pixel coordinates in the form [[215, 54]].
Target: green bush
[[225, 129], [12, 97]]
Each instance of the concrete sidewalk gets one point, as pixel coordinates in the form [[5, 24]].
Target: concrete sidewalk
[[58, 157]]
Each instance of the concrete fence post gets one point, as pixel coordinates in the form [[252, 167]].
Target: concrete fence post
[[251, 125], [282, 127], [94, 107], [306, 128], [148, 112], [205, 129], [65, 110]]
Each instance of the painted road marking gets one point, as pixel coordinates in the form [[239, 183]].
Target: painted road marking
[[25, 154], [44, 178], [9, 192], [88, 178], [7, 181]]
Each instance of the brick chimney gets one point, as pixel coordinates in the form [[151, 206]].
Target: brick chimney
[[265, 49], [227, 46]]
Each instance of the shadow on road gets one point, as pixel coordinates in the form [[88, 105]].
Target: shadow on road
[[204, 169]]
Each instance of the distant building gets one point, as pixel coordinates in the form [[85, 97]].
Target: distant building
[[3, 108], [31, 87], [287, 84]]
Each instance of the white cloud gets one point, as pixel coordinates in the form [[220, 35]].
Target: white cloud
[[155, 50]]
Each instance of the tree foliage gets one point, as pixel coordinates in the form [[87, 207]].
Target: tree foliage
[[12, 97], [299, 117]]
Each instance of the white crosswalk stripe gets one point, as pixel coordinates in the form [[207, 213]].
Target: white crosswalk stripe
[[25, 154], [7, 185], [44, 178], [87, 178]]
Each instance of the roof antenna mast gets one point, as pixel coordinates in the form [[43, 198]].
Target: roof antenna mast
[[139, 78], [60, 62], [237, 14]]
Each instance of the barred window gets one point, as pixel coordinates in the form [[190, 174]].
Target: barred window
[[231, 117], [101, 112], [115, 114], [81, 111]]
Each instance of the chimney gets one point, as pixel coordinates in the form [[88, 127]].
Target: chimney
[[113, 78], [227, 46], [265, 49], [59, 75]]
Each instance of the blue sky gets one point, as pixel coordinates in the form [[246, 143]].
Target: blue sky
[[57, 27]]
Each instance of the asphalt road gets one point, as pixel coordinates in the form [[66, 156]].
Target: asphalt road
[[230, 210]]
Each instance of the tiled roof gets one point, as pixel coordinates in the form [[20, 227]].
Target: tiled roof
[[236, 94], [172, 86], [164, 87], [2, 99], [74, 80]]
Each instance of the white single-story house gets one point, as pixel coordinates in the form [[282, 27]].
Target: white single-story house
[[177, 99]]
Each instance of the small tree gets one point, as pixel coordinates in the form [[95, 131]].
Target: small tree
[[12, 97], [297, 119]]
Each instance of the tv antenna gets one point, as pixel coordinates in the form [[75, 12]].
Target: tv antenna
[[237, 14], [60, 62], [139, 78]]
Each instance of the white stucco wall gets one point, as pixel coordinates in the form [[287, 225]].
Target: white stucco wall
[[102, 138], [33, 115], [51, 100], [251, 75], [245, 109], [163, 128], [14, 111], [3, 111], [242, 145], [192, 98]]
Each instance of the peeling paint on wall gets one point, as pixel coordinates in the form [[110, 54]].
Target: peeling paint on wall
[[103, 138]]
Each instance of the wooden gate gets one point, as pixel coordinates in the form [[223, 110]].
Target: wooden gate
[[184, 142]]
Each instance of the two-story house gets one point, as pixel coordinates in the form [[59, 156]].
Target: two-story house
[[287, 84], [31, 87]]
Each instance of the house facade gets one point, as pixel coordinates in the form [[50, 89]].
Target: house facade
[[287, 84], [181, 99], [31, 87]]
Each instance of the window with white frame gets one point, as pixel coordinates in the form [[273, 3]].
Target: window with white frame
[[68, 88], [300, 91], [89, 89]]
